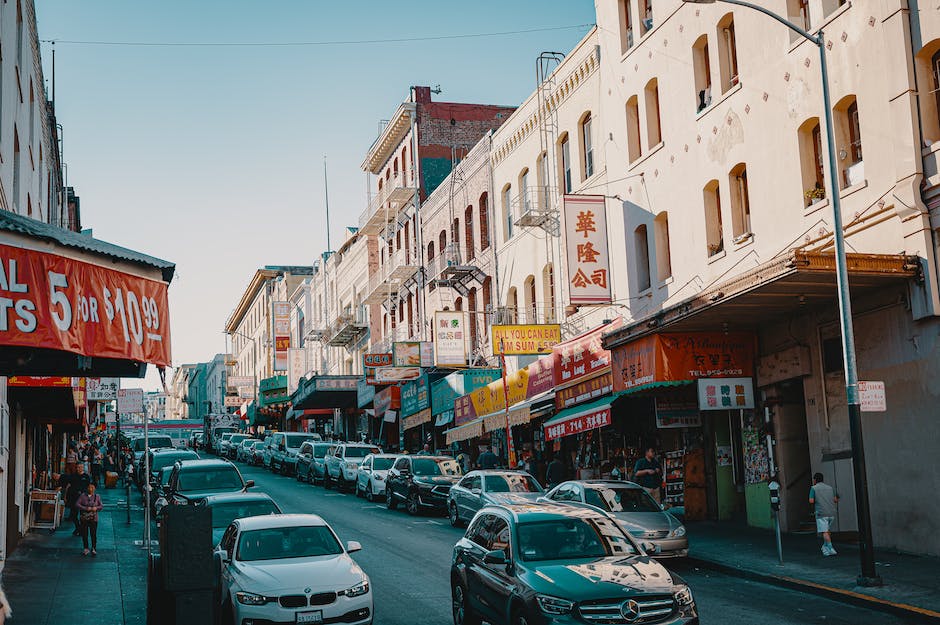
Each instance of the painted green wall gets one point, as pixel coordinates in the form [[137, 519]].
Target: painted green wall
[[757, 497], [433, 172]]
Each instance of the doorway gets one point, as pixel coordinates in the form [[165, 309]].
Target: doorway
[[792, 454]]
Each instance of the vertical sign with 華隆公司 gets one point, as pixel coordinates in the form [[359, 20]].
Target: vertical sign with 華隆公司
[[586, 247], [281, 313], [296, 367], [450, 338]]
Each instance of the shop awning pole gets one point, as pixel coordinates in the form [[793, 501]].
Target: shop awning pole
[[510, 448]]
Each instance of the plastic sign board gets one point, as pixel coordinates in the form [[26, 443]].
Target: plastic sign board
[[281, 313], [725, 393], [521, 340], [232, 401], [234, 381], [413, 354], [130, 401], [102, 389], [64, 304], [872, 396], [392, 375], [586, 249], [297, 367], [450, 338]]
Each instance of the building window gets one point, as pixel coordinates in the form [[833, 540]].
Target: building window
[[849, 139], [641, 258], [812, 170], [634, 150], [507, 212], [429, 259], [411, 315], [548, 287], [663, 255], [727, 53], [798, 12], [487, 293], [626, 25], [404, 166], [512, 306], [703, 74], [587, 148], [541, 173], [468, 232], [714, 235], [565, 163], [654, 131], [484, 222], [531, 307], [442, 246], [395, 168], [455, 239], [927, 65], [740, 202], [646, 16], [472, 307], [458, 304]]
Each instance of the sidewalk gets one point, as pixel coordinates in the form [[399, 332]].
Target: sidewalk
[[911, 583], [48, 581]]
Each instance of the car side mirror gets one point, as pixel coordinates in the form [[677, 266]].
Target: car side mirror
[[353, 545], [495, 557], [249, 484], [649, 547], [476, 491]]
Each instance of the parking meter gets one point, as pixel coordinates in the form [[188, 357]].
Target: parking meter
[[774, 487]]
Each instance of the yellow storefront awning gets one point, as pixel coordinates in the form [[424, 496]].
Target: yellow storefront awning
[[519, 414]]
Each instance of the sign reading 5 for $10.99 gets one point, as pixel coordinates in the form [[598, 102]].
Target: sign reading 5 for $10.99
[[50, 301]]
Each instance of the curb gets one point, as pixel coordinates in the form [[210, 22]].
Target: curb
[[836, 594]]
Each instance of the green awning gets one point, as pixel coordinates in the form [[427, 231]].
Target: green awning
[[273, 390], [575, 411]]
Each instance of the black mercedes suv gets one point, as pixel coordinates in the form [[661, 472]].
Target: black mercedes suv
[[421, 482]]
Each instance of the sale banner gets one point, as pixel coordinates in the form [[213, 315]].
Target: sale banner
[[53, 302]]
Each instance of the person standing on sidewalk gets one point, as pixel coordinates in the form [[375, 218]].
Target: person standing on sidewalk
[[94, 460], [555, 473], [648, 473], [487, 460], [89, 504], [824, 500], [77, 485]]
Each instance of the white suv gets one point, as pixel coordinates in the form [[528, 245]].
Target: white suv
[[342, 464], [373, 472]]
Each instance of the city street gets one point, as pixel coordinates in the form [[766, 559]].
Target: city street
[[408, 560]]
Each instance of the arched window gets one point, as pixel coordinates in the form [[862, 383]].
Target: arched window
[[663, 254], [626, 25], [740, 201], [455, 239], [714, 235], [512, 305], [654, 131], [703, 73], [727, 53], [442, 244], [525, 196], [507, 213], [587, 147], [484, 222], [458, 304], [531, 305], [641, 258], [634, 149], [564, 164], [848, 133], [404, 166], [472, 307], [548, 288], [468, 233], [395, 168], [812, 168], [431, 285]]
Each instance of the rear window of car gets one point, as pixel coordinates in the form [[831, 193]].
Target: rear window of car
[[361, 452], [157, 442], [165, 460], [621, 499], [512, 484], [224, 513], [296, 440], [238, 438], [320, 450], [218, 479]]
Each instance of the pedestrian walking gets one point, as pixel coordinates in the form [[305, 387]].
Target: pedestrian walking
[[555, 473], [71, 459], [487, 460], [824, 500], [5, 610], [77, 484], [89, 504], [425, 451], [95, 461], [648, 473]]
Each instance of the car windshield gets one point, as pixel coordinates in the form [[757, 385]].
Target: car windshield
[[572, 539], [360, 452], [158, 442], [512, 484], [287, 542], [165, 475], [165, 460], [620, 499], [319, 451], [238, 438], [429, 466], [294, 441], [258, 444], [224, 513], [382, 464], [137, 444], [223, 478], [248, 442]]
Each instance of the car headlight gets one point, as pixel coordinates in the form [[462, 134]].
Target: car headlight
[[356, 591], [250, 598], [679, 532], [554, 605], [683, 596], [352, 465]]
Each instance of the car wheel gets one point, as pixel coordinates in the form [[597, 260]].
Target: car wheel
[[299, 475], [358, 490], [454, 515], [412, 504], [463, 615], [518, 616], [370, 494], [341, 483], [327, 481], [390, 502]]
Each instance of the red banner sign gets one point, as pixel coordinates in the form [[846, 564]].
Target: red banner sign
[[584, 356], [584, 391], [578, 423], [54, 302], [42, 381]]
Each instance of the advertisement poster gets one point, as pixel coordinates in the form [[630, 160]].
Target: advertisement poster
[[64, 304], [450, 338], [523, 384], [371, 361], [585, 242], [392, 375], [756, 459], [413, 354], [521, 340]]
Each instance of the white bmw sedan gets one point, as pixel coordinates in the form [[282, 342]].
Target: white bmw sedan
[[290, 568]]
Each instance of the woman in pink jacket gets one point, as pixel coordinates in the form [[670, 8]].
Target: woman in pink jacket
[[88, 506]]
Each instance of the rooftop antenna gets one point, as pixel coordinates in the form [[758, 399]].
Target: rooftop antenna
[[326, 200]]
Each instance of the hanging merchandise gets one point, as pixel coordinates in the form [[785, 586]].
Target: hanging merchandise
[[674, 467]]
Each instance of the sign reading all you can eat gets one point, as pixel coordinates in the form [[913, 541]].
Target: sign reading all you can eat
[[54, 302], [525, 339]]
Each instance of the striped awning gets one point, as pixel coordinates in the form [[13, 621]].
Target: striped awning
[[520, 413], [419, 418], [466, 431]]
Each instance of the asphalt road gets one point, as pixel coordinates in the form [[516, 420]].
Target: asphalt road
[[408, 560]]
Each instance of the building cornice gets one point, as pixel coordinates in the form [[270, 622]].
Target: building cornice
[[257, 282], [387, 143]]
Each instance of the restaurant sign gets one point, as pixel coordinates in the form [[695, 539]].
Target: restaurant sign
[[415, 396], [371, 361], [584, 391], [588, 420], [59, 303], [523, 384], [584, 357], [520, 340], [281, 314]]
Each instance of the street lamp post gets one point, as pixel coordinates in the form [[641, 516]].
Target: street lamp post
[[866, 549]]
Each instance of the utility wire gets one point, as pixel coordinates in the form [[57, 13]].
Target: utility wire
[[281, 44]]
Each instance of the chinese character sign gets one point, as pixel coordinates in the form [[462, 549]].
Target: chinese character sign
[[725, 393], [450, 338], [281, 334], [586, 246]]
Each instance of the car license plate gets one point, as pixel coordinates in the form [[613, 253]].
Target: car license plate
[[310, 617]]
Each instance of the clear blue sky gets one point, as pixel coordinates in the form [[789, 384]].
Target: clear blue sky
[[212, 157]]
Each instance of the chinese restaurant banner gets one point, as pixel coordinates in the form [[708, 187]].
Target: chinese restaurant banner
[[584, 391], [521, 340], [450, 338], [586, 246], [673, 357], [584, 356], [281, 334], [55, 302], [575, 424], [523, 384]]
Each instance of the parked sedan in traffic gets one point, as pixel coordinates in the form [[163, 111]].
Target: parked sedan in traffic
[[558, 565], [342, 464], [226, 507], [370, 483], [632, 507], [421, 482], [484, 487], [311, 465], [193, 480], [231, 448], [256, 453], [290, 568], [244, 448]]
